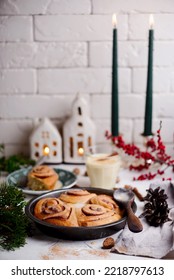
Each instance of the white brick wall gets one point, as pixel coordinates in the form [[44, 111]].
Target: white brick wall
[[53, 80], [45, 7], [16, 28], [17, 81], [77, 27], [52, 49], [37, 55]]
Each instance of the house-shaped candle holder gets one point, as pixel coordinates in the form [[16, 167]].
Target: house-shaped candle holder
[[78, 132], [45, 140]]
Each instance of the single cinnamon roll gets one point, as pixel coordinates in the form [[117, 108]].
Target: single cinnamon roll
[[96, 215], [42, 177], [54, 211], [105, 200], [76, 196]]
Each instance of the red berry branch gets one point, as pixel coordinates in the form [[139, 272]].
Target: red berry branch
[[155, 152]]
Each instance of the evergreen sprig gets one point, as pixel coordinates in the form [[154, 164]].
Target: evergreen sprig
[[14, 162], [13, 221]]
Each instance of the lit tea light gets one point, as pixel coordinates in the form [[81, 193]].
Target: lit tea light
[[46, 151], [80, 151]]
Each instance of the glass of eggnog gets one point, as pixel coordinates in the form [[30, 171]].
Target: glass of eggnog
[[103, 165]]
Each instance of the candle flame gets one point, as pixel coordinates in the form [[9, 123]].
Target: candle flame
[[81, 151], [114, 20], [151, 21], [46, 151]]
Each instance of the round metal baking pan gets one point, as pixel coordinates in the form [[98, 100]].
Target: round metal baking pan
[[75, 233]]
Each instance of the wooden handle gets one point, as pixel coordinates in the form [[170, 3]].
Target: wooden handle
[[133, 221]]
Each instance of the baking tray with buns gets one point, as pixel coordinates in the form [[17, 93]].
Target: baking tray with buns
[[85, 205]]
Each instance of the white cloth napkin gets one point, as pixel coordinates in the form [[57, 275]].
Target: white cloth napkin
[[153, 242]]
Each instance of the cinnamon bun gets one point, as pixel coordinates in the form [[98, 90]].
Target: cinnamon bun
[[42, 177], [105, 200], [54, 211], [96, 215], [76, 196]]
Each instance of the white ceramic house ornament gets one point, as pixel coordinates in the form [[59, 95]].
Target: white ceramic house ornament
[[78, 132], [45, 140]]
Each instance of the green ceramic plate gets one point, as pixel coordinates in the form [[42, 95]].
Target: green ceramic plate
[[19, 178]]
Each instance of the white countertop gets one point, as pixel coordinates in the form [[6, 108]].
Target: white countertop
[[42, 247]]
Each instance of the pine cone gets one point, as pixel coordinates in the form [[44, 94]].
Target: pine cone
[[156, 208]]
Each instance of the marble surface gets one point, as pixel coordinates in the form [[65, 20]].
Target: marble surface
[[42, 247]]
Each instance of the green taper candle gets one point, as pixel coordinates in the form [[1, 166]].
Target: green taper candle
[[114, 97], [149, 90]]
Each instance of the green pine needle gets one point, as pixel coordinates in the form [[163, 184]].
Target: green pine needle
[[14, 162], [13, 221]]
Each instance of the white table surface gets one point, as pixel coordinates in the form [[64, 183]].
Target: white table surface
[[42, 247]]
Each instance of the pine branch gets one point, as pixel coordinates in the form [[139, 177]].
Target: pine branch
[[14, 162], [13, 221]]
